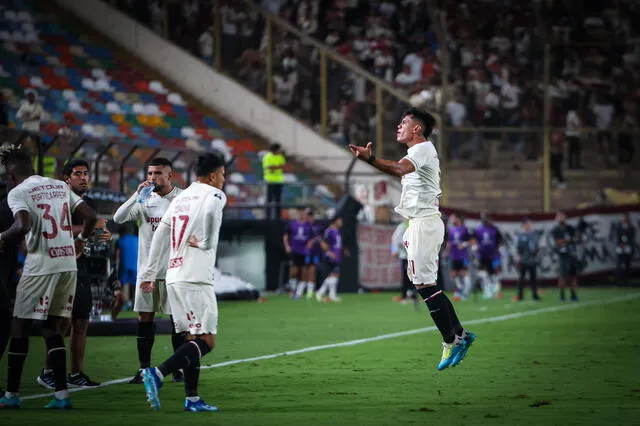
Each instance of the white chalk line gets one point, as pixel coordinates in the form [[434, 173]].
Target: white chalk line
[[498, 318]]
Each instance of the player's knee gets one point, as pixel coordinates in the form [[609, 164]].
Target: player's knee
[[51, 325], [20, 328], [146, 316], [205, 343], [428, 291], [80, 325]]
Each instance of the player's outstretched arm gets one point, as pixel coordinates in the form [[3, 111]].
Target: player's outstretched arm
[[159, 245], [393, 168]]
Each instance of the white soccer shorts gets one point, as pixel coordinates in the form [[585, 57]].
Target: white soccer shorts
[[156, 301], [423, 239], [194, 307], [38, 296]]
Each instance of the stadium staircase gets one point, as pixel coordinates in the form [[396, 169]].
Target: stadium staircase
[[518, 186]]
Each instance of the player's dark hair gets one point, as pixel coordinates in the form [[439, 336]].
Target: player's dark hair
[[161, 161], [68, 167], [17, 158], [426, 120], [209, 163]]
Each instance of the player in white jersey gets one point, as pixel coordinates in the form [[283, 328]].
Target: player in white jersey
[[148, 215], [189, 232], [42, 210], [420, 204]]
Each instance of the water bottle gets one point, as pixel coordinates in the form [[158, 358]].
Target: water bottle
[[145, 193]]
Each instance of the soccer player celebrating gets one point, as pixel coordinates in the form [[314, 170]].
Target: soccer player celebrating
[[487, 240], [148, 213], [458, 247], [42, 210], [564, 237], [419, 202], [298, 240], [331, 243], [189, 232]]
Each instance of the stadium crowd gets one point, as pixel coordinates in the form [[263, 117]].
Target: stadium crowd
[[495, 59]]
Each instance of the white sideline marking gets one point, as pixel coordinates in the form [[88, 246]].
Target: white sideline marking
[[498, 318]]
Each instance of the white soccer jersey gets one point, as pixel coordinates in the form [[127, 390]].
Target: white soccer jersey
[[148, 215], [421, 188], [196, 211], [50, 242]]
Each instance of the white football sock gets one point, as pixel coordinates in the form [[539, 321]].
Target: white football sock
[[323, 289], [63, 394], [466, 285], [332, 283], [300, 289], [310, 287]]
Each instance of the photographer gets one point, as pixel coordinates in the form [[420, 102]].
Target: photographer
[[94, 258], [625, 245]]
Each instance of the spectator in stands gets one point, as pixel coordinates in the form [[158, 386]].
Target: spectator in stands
[[457, 116], [604, 110], [273, 164], [626, 122], [30, 112], [205, 42], [572, 134], [556, 161]]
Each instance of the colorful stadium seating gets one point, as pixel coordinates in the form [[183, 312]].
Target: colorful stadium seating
[[105, 96]]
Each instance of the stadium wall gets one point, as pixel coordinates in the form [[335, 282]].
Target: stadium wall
[[597, 248], [222, 94]]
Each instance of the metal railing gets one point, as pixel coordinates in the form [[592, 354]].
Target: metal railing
[[343, 102]]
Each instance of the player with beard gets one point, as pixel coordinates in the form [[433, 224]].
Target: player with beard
[[188, 233], [148, 214]]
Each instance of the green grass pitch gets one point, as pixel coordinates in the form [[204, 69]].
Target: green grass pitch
[[534, 363]]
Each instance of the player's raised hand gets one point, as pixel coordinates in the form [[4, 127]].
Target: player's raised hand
[[362, 152], [147, 286], [142, 185]]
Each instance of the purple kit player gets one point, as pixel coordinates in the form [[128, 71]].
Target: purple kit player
[[458, 247], [488, 240], [298, 238], [332, 246]]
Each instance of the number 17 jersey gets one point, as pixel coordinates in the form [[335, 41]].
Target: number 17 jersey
[[196, 211], [50, 243]]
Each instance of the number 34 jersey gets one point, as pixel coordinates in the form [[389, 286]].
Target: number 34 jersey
[[195, 212], [50, 243]]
